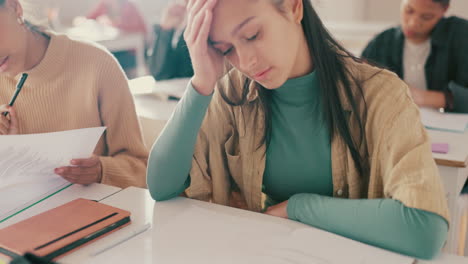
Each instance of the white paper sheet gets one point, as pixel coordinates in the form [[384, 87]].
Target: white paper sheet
[[28, 161], [212, 237], [434, 119]]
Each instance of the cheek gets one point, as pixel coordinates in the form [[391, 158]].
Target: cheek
[[287, 48], [276, 45], [404, 18], [428, 26], [12, 41]]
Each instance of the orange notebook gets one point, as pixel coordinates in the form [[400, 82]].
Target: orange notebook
[[62, 230]]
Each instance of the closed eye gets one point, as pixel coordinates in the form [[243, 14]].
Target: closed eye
[[228, 51], [225, 53], [253, 37], [427, 18]]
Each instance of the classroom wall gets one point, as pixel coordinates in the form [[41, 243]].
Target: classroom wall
[[69, 9], [378, 11], [388, 10], [352, 22], [341, 10]]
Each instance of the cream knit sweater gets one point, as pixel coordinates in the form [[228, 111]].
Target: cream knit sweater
[[81, 85]]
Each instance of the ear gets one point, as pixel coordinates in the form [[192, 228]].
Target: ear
[[446, 7], [19, 9], [296, 9], [16, 7]]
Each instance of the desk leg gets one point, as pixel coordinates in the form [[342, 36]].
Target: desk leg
[[453, 180]]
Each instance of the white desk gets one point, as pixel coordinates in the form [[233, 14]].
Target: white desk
[[151, 97], [152, 106], [453, 168], [166, 243]]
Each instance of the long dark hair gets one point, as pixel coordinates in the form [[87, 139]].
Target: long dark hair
[[442, 2], [334, 78]]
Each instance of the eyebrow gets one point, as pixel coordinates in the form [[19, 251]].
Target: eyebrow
[[236, 29]]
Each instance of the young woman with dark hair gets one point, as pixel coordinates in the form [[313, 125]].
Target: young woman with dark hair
[[327, 140]]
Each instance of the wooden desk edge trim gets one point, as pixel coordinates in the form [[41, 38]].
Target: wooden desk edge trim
[[451, 163]]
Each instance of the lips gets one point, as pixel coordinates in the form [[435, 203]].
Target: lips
[[261, 75], [3, 60], [3, 63], [410, 33]]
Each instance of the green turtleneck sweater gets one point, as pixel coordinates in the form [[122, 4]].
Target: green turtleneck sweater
[[298, 156], [298, 169]]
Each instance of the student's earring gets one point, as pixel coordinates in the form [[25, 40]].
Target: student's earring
[[20, 20]]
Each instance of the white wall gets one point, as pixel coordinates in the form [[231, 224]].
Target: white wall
[[330, 10], [373, 10], [459, 8], [71, 8], [341, 10], [389, 10], [353, 22]]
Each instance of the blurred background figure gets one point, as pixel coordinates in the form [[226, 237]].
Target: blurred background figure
[[169, 57], [122, 14], [429, 52], [125, 16]]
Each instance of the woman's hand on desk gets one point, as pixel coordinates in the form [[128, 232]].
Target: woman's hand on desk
[[279, 210], [432, 99], [418, 95], [8, 124], [82, 171]]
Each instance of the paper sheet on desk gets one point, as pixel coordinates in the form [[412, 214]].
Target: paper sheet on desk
[[433, 119], [28, 161], [205, 236]]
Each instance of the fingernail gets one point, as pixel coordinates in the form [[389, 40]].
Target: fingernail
[[74, 162], [58, 170]]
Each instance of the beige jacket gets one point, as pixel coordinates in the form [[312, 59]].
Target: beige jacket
[[229, 155]]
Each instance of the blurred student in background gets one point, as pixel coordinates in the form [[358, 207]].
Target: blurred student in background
[[429, 52], [169, 57], [124, 15]]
